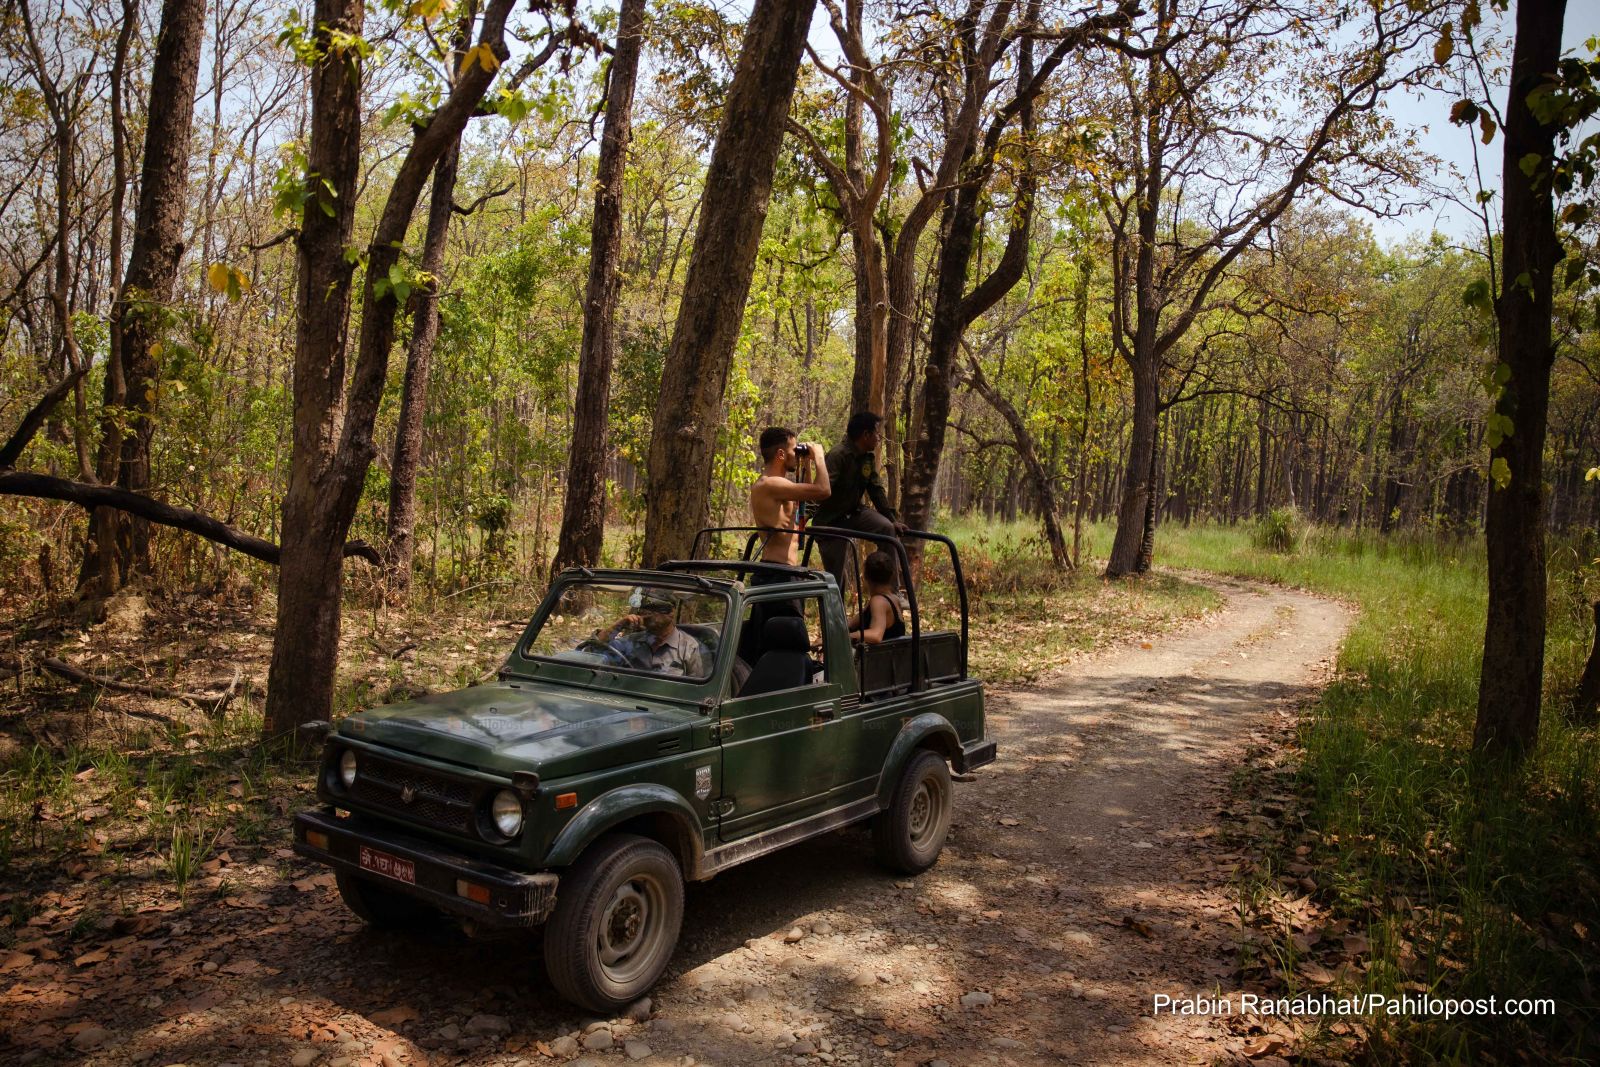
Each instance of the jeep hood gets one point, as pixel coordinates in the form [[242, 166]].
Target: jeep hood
[[504, 727]]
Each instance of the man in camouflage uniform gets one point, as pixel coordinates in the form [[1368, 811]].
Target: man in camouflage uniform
[[853, 470]]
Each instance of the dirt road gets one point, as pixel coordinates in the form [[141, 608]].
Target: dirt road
[[1082, 877]]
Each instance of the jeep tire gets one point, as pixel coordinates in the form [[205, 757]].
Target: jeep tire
[[909, 835], [380, 907], [618, 912]]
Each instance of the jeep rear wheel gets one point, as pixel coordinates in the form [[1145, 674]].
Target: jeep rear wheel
[[909, 835], [618, 912], [380, 907]]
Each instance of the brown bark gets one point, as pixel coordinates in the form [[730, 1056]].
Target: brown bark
[[1143, 355], [1080, 314], [121, 541], [332, 426], [584, 514], [1586, 701], [1510, 689], [733, 207], [954, 307], [402, 543], [305, 646], [859, 195]]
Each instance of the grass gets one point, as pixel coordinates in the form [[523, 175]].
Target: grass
[[1473, 881], [1029, 617]]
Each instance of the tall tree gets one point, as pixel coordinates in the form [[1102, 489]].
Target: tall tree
[[333, 444], [120, 542], [859, 194], [1203, 162], [733, 207], [955, 305], [583, 518], [1510, 687], [423, 307]]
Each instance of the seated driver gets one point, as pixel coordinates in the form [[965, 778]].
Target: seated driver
[[654, 642]]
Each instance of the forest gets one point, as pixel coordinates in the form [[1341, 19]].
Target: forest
[[353, 321]]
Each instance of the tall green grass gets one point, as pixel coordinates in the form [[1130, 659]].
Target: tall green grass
[[1473, 880]]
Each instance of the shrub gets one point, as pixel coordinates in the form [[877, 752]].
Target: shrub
[[1277, 531]]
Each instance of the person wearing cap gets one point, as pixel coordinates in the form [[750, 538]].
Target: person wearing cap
[[654, 642]]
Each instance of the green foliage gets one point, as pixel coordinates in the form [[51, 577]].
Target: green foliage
[[295, 189], [311, 46], [190, 847], [403, 278], [1279, 530]]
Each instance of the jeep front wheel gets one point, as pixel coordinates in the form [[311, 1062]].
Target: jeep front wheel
[[909, 835], [618, 911]]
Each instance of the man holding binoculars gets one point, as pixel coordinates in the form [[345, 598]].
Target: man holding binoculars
[[774, 497]]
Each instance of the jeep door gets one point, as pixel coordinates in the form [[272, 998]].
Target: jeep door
[[778, 758]]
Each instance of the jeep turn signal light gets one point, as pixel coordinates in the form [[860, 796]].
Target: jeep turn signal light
[[566, 800], [317, 839], [472, 891]]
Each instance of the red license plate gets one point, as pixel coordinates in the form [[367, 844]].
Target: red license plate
[[388, 866]]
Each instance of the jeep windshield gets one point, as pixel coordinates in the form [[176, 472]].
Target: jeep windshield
[[655, 630]]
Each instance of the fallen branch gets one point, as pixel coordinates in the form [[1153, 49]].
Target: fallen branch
[[76, 674], [71, 673], [226, 696], [18, 483], [12, 449]]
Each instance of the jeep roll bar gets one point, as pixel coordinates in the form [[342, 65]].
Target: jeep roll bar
[[810, 536]]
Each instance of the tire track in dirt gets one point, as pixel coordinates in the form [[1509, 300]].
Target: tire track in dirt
[[1079, 880]]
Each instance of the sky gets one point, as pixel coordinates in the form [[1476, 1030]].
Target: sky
[[1454, 146]]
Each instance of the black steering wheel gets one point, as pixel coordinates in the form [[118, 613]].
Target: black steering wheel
[[607, 650]]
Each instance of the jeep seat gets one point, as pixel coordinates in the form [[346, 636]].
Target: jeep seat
[[785, 663]]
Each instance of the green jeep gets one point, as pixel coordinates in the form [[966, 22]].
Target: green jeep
[[651, 727]]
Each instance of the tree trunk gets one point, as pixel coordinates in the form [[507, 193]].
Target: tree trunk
[[1143, 355], [121, 542], [1080, 315], [733, 207], [954, 309], [1038, 477], [869, 388], [1510, 687], [306, 645], [100, 572], [1586, 701], [1137, 490], [944, 338], [332, 425], [402, 541], [583, 517]]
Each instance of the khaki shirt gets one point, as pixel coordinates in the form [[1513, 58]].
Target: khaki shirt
[[678, 654], [852, 473]]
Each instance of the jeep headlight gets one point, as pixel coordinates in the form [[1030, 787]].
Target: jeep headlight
[[347, 768], [506, 813]]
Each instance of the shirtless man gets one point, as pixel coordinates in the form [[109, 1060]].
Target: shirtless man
[[774, 495]]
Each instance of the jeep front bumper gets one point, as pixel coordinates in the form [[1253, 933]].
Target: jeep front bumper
[[439, 878]]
